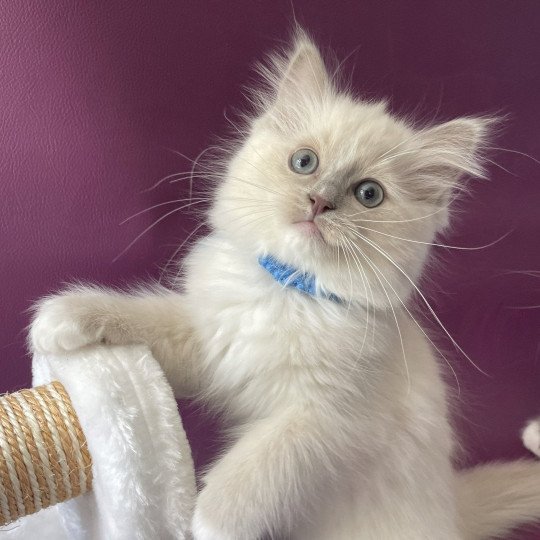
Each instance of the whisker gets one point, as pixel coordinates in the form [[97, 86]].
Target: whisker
[[397, 326], [193, 161], [158, 205], [463, 248], [181, 176], [359, 266], [159, 182], [259, 186], [367, 290], [251, 222], [199, 156], [152, 226], [350, 278], [531, 273], [258, 206], [440, 209], [263, 211], [345, 242], [499, 166], [178, 249], [424, 299], [375, 268], [515, 152]]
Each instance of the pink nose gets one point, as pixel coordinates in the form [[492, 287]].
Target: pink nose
[[319, 205]]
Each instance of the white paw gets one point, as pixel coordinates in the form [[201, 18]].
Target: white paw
[[531, 437], [58, 326]]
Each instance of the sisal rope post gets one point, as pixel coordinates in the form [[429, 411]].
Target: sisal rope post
[[44, 456]]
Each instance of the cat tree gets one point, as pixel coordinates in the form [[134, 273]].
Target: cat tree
[[44, 456], [95, 450]]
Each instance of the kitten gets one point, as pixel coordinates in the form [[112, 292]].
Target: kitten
[[293, 319]]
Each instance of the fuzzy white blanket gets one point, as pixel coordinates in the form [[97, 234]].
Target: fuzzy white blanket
[[144, 482]]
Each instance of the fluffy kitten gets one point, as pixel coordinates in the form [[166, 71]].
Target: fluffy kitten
[[292, 318]]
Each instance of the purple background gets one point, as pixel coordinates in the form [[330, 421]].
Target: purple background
[[94, 94]]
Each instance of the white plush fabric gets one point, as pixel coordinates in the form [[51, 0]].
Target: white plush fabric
[[144, 482]]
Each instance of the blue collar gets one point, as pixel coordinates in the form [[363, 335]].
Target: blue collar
[[289, 276]]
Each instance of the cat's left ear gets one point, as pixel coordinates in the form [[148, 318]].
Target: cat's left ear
[[449, 151]]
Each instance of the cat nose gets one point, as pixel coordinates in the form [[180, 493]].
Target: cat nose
[[320, 205]]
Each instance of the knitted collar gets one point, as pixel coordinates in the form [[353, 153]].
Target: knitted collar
[[289, 276]]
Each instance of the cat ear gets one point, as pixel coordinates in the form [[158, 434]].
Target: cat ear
[[296, 83], [305, 75], [449, 151]]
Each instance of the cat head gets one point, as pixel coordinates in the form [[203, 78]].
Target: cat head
[[338, 187]]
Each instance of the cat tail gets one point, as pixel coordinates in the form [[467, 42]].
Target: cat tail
[[497, 497]]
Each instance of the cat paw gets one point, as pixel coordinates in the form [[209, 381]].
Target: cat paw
[[61, 326], [531, 437]]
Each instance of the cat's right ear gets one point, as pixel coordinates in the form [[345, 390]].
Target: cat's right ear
[[297, 81], [305, 77]]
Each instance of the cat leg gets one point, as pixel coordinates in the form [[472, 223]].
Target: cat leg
[[86, 315], [266, 481]]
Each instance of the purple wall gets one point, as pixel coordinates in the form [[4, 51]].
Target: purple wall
[[93, 95]]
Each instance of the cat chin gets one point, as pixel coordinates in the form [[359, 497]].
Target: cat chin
[[299, 245], [308, 229], [311, 253]]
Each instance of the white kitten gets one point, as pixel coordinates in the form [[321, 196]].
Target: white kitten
[[293, 319]]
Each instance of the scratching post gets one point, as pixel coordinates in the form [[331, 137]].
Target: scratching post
[[44, 457], [112, 403]]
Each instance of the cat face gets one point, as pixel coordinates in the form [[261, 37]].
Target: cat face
[[339, 187]]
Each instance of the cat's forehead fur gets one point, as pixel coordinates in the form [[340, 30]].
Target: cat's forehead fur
[[303, 103], [348, 136], [303, 99]]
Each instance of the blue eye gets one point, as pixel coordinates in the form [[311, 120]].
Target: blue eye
[[304, 161], [369, 193]]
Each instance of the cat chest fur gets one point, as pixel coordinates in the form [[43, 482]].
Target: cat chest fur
[[264, 347]]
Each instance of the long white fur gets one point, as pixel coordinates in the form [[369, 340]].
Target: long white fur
[[339, 413]]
